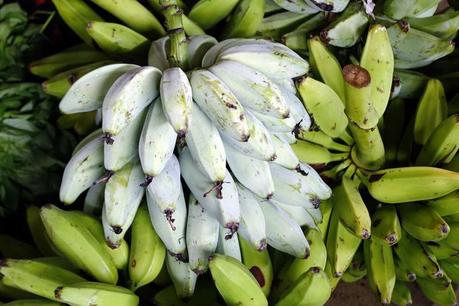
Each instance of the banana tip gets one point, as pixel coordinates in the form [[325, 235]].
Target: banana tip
[[233, 227], [365, 234], [262, 246]]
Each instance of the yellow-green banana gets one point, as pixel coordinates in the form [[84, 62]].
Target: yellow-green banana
[[401, 294], [38, 232], [315, 154], [245, 19], [368, 151], [208, 13], [423, 222], [446, 205], [441, 292], [386, 224], [320, 138]]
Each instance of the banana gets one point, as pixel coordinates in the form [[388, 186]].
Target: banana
[[172, 235], [298, 112], [311, 288], [401, 294], [83, 169], [207, 13], [253, 89], [252, 226], [386, 225], [35, 277], [67, 59], [131, 93], [70, 237], [315, 154], [403, 273], [412, 83], [259, 264], [121, 149], [147, 253], [446, 205], [167, 296], [443, 25], [285, 156], [252, 173], [198, 47], [13, 293], [439, 292], [394, 117], [117, 39], [368, 152], [341, 245], [202, 235], [76, 14], [157, 54], [135, 15], [413, 48], [451, 239], [357, 269], [245, 19], [176, 99], [88, 92], [273, 27], [94, 200], [410, 184], [432, 107], [333, 6], [297, 213], [326, 207], [206, 146], [324, 105], [398, 10], [320, 138], [123, 194], [59, 84], [32, 302], [38, 232], [87, 293], [381, 269], [229, 247], [443, 142], [221, 201], [272, 59], [165, 188], [345, 31], [258, 145], [352, 211], [239, 288], [296, 6], [327, 65], [190, 27], [183, 278], [297, 40], [220, 105], [293, 271], [450, 266], [157, 141], [283, 233], [417, 258]]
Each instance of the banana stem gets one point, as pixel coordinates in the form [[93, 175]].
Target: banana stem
[[178, 54]]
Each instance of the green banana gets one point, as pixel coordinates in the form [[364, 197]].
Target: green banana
[[401, 294], [60, 262], [147, 251], [320, 138], [368, 152], [327, 65], [77, 14], [386, 224], [432, 109], [357, 269], [410, 184], [359, 103], [452, 240], [446, 205], [324, 105], [278, 24], [438, 291], [440, 249], [238, 287], [394, 120], [315, 154], [78, 245], [135, 15], [334, 279], [117, 39], [345, 31], [33, 302], [297, 40], [378, 59], [443, 25], [36, 277], [13, 248], [412, 83], [68, 59], [258, 263], [352, 211], [207, 13], [403, 273], [442, 143], [191, 28], [423, 222], [245, 19], [311, 288], [13, 293], [59, 84], [451, 268], [326, 210], [380, 268], [411, 8], [341, 245]]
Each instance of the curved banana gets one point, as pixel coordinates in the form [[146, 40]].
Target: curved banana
[[446, 205], [302, 120], [368, 152], [245, 19], [297, 213], [320, 138], [423, 222], [440, 292], [314, 154], [208, 13], [412, 8], [386, 224], [444, 25], [38, 232], [183, 278]]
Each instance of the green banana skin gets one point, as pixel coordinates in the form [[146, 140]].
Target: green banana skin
[[423, 222], [326, 210], [191, 28], [444, 25], [245, 19], [320, 138], [401, 294], [275, 26], [297, 40], [411, 8], [38, 232], [442, 143], [368, 152], [13, 248], [412, 83], [13, 293], [207, 13], [33, 302], [386, 225], [315, 154], [446, 205], [357, 269], [451, 268], [402, 273], [440, 292], [410, 184]]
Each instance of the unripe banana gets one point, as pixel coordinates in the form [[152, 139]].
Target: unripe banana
[[147, 251], [325, 210], [401, 294], [440, 292], [399, 185], [33, 302], [386, 225], [176, 99], [397, 10], [422, 222], [229, 247], [451, 266], [403, 273], [83, 169], [208, 13], [334, 6], [297, 40], [315, 154], [357, 269], [245, 19], [324, 105], [202, 235], [296, 6], [220, 105], [274, 26], [443, 25], [157, 54], [446, 205], [140, 85], [183, 278], [368, 152], [241, 288], [157, 141], [38, 232]]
